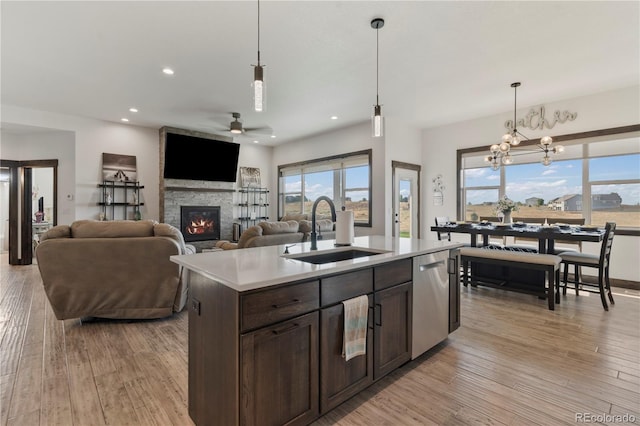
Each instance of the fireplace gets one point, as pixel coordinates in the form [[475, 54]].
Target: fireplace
[[200, 223]]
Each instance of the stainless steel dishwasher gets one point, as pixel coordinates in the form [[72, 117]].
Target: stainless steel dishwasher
[[430, 301]]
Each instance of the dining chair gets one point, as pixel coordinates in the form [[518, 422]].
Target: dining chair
[[441, 221], [600, 262], [574, 245]]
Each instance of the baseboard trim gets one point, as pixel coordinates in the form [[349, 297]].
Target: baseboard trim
[[615, 282]]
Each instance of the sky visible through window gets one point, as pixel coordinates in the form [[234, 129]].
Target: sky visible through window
[[321, 183], [560, 178]]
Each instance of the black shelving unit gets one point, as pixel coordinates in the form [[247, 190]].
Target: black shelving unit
[[120, 199], [253, 204]]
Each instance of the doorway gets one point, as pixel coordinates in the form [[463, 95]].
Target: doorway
[[29, 191], [406, 199]]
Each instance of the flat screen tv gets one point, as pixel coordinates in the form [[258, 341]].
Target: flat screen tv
[[194, 158]]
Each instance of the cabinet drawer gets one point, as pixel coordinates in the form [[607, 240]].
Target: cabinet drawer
[[270, 306], [341, 287], [392, 273]]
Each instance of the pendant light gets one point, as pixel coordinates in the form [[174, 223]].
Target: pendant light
[[377, 120], [501, 153], [259, 89]]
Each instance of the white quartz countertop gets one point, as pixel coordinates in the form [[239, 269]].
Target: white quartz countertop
[[258, 267]]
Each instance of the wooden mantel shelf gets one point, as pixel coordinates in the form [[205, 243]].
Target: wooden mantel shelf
[[192, 189]]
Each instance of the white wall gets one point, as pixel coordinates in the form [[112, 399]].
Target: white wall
[[599, 111], [402, 142]]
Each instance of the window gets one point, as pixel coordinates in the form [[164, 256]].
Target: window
[[345, 179], [597, 178]]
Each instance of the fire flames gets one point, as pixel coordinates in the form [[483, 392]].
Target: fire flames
[[200, 225]]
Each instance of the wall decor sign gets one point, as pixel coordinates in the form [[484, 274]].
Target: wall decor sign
[[536, 119], [119, 168], [438, 189], [250, 177]]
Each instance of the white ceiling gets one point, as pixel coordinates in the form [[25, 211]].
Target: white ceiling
[[440, 62]]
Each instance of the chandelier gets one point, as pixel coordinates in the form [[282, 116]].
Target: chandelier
[[502, 153]]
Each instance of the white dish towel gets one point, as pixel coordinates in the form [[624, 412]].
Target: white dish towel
[[354, 342]]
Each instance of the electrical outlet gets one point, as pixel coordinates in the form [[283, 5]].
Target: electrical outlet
[[195, 306]]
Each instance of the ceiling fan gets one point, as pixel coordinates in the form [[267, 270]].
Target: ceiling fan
[[236, 127]]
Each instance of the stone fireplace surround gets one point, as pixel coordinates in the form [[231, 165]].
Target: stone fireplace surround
[[175, 193]]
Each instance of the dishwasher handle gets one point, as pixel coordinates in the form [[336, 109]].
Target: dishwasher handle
[[431, 265]]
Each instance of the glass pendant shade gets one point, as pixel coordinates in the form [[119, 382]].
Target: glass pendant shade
[[546, 160], [505, 147], [515, 139], [377, 122], [259, 91], [506, 138], [546, 140]]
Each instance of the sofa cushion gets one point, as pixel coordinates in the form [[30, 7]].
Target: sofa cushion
[[112, 229], [59, 231], [251, 232], [169, 231], [294, 216], [325, 225], [272, 228]]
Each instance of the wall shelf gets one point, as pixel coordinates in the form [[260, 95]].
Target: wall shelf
[[253, 206], [123, 195]]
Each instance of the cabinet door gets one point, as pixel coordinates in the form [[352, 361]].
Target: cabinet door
[[279, 373], [341, 379], [454, 293], [392, 325]]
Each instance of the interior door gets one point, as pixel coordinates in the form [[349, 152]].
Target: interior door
[[406, 199]]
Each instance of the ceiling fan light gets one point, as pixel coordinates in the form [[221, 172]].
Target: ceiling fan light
[[235, 127]]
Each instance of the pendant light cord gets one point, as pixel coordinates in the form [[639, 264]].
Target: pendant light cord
[[377, 63], [515, 100], [258, 32]]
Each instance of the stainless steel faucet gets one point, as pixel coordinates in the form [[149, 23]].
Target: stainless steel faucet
[[314, 236]]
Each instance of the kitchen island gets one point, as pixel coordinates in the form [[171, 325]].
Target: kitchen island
[[265, 328]]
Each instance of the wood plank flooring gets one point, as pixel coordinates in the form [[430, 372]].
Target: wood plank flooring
[[512, 362]]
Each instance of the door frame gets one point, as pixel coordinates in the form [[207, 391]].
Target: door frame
[[407, 166]]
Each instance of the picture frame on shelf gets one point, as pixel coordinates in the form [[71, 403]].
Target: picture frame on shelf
[[119, 167], [250, 177]]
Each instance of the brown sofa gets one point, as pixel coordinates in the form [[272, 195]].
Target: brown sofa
[[115, 269], [291, 229]]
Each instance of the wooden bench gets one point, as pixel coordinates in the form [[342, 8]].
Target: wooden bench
[[548, 263]]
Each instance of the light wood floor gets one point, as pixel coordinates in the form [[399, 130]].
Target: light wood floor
[[512, 362]]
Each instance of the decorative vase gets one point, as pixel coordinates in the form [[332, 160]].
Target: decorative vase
[[507, 216]]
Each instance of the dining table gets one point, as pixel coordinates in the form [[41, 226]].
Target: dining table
[[545, 234]]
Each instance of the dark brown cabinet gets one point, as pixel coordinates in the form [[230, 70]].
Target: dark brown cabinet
[[392, 328], [279, 373], [341, 379], [273, 356]]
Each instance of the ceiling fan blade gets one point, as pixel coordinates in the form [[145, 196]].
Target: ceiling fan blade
[[264, 130]]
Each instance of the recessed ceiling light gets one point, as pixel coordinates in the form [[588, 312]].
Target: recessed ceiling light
[[273, 136], [334, 117], [133, 109], [126, 120], [167, 71], [256, 142]]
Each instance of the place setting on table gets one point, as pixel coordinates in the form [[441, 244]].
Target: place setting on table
[[544, 233]]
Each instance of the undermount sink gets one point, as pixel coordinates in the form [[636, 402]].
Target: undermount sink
[[336, 255]]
